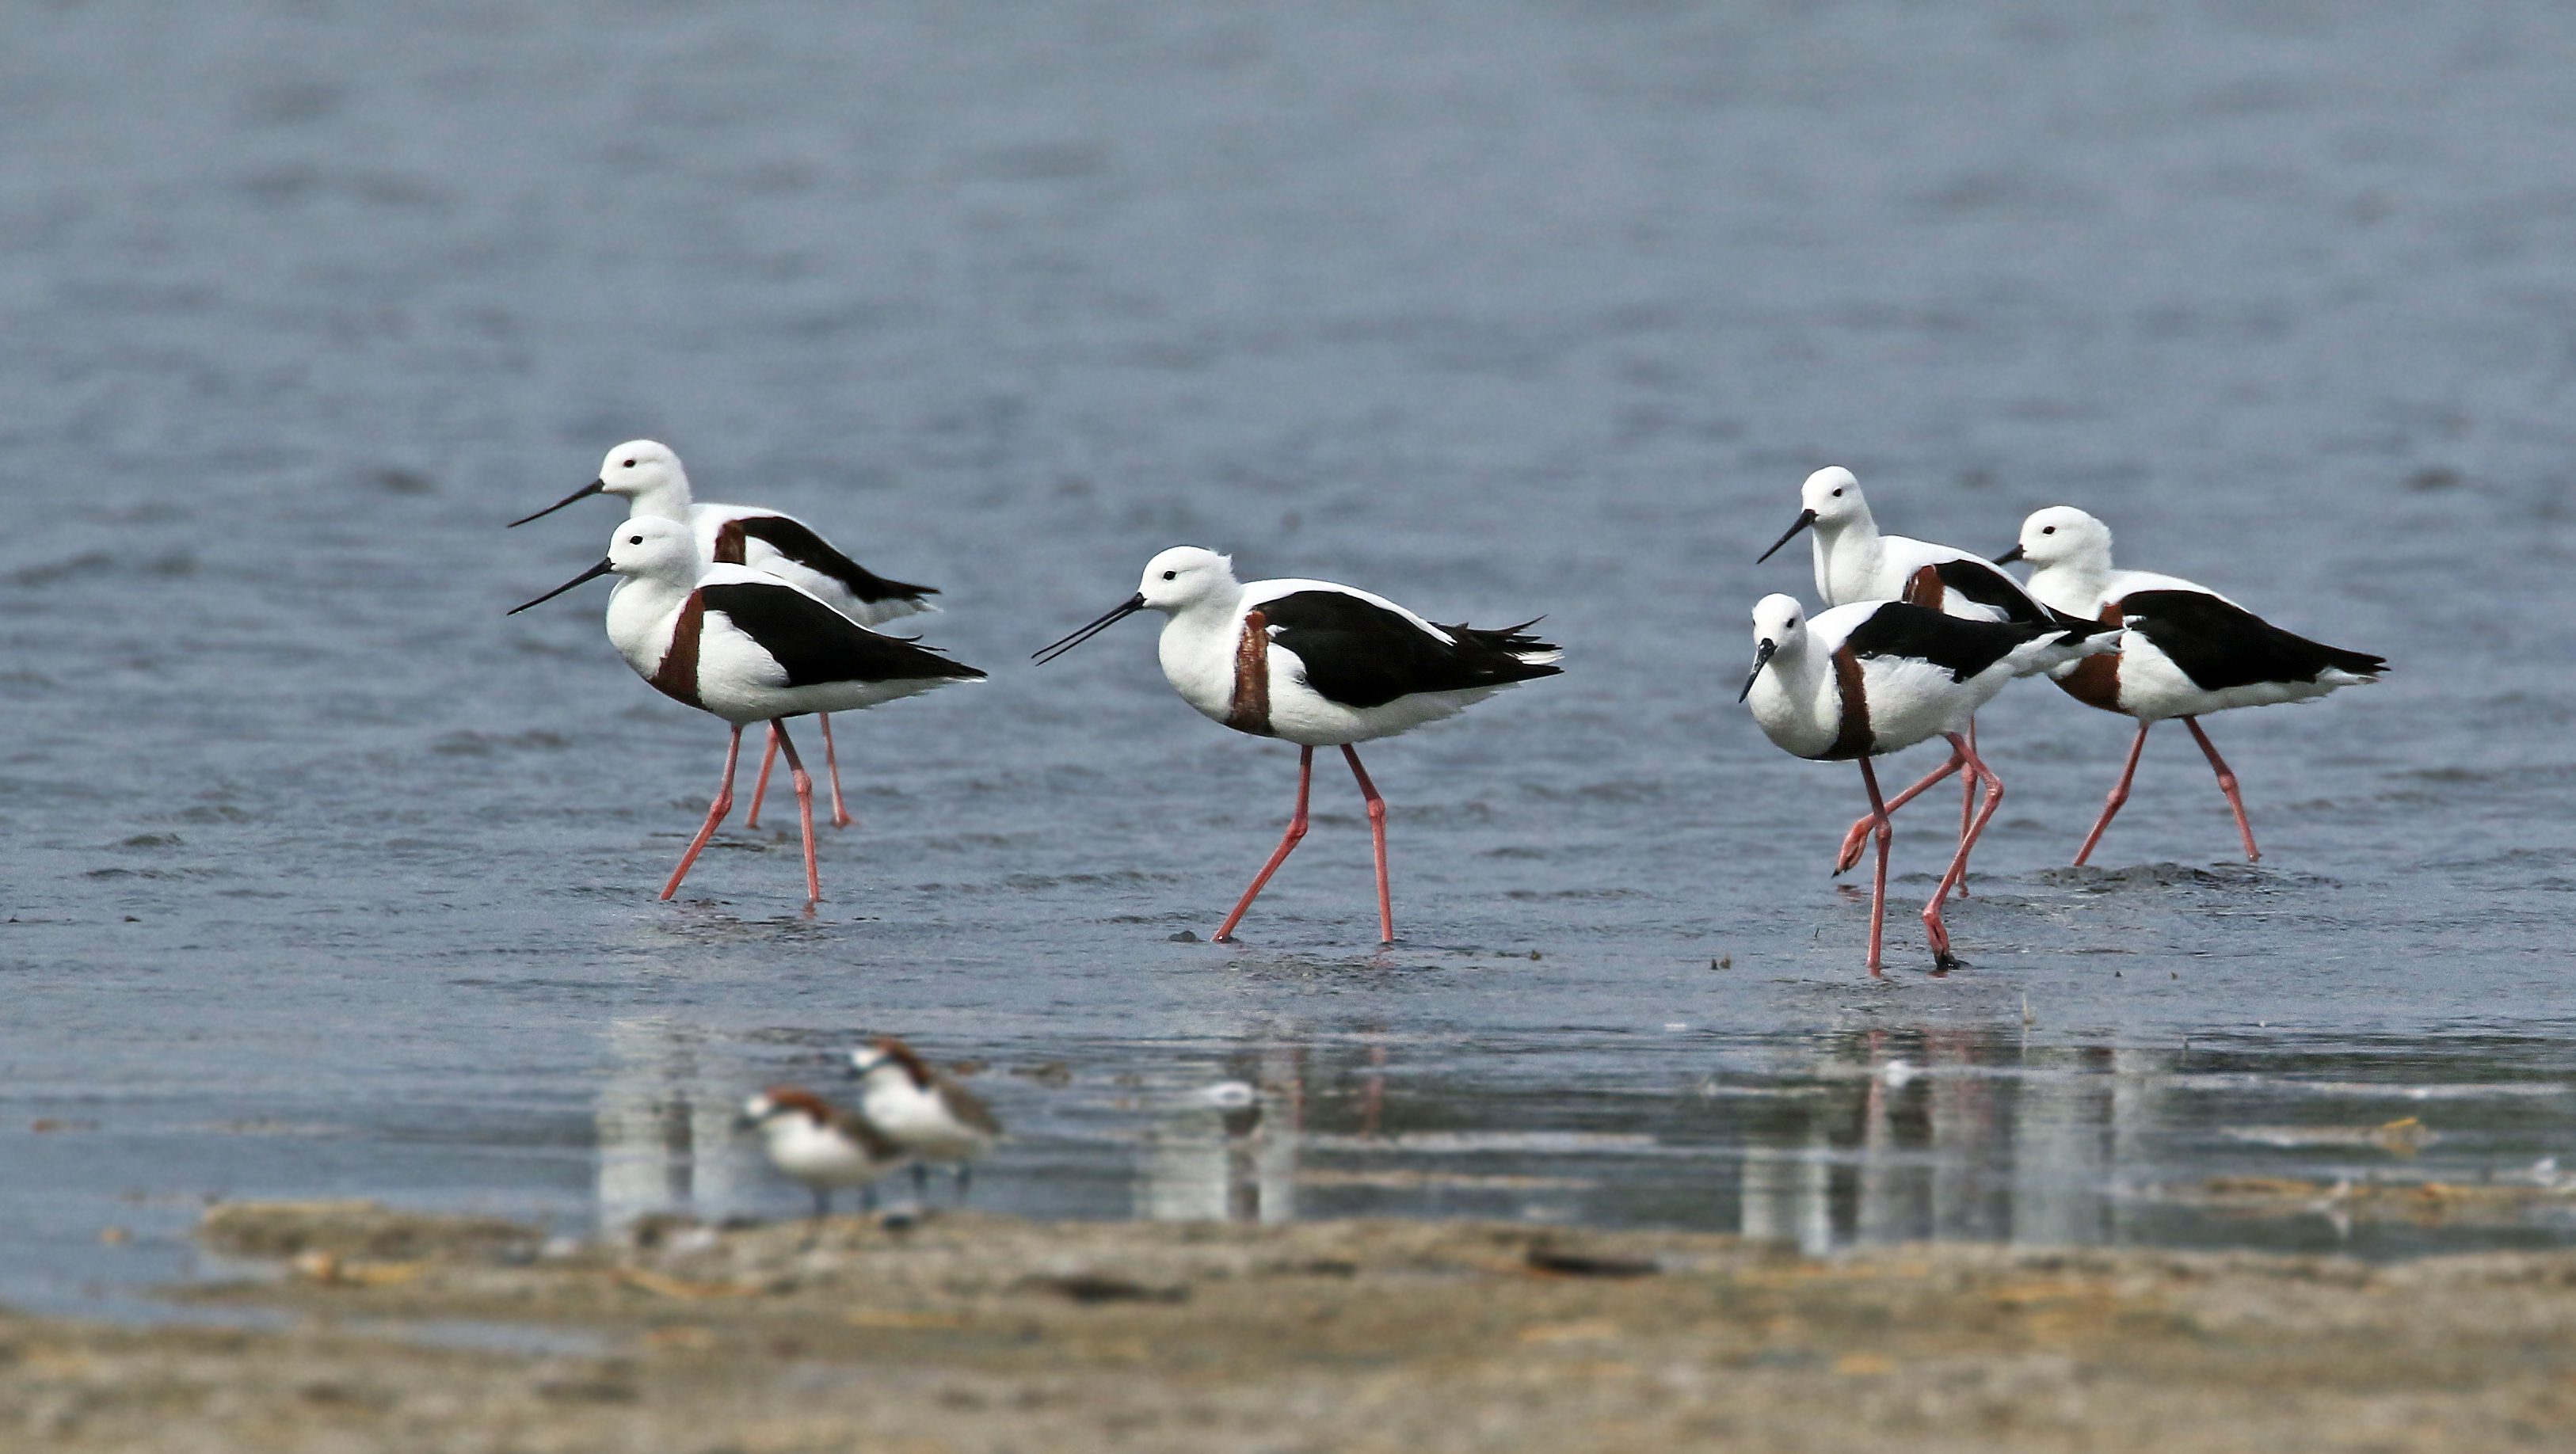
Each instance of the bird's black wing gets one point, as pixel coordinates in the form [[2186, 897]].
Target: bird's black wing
[[1988, 586], [815, 644], [796, 541], [2219, 645], [1361, 654], [1955, 644]]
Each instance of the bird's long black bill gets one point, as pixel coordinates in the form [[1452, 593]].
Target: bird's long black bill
[[2009, 556], [1805, 519], [1761, 659], [592, 574], [1116, 614], [584, 493]]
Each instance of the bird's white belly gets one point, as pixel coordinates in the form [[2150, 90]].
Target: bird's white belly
[[817, 1158], [1913, 701], [921, 1123], [1300, 714]]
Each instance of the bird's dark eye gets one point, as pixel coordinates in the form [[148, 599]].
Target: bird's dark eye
[[2048, 530], [630, 464], [1838, 494], [1171, 575], [635, 540]]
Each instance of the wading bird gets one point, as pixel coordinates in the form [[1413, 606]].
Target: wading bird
[[924, 1110], [1861, 681], [1317, 664], [748, 647], [818, 1145], [2188, 650], [1855, 563], [648, 477]]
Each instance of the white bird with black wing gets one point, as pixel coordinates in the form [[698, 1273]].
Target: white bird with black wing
[[2188, 650], [648, 476], [1318, 664], [1856, 563], [1860, 681], [748, 647]]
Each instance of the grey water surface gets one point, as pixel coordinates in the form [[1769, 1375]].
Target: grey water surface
[[324, 879]]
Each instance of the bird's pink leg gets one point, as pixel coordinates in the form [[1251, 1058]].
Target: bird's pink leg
[[1296, 830], [1377, 839], [2227, 785], [760, 788], [804, 807], [2119, 795], [1967, 805], [715, 814], [1878, 891], [1858, 838], [832, 768], [1933, 929]]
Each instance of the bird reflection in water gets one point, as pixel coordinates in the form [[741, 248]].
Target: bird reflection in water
[[664, 1118], [1955, 1135]]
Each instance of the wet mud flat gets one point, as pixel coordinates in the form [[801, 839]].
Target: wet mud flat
[[971, 1332]]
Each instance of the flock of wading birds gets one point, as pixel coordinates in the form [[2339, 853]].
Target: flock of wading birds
[[752, 616]]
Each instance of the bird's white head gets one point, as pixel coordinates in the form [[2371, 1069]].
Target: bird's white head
[[651, 546], [647, 548], [1828, 501], [647, 474], [644, 474], [1184, 576], [777, 1110], [1832, 495], [1177, 580], [1779, 624], [2062, 535], [870, 1061]]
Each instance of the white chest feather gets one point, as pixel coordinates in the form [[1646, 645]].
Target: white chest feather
[[816, 1155], [1197, 650], [1847, 568]]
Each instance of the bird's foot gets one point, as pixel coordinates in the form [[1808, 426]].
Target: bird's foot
[[1854, 843]]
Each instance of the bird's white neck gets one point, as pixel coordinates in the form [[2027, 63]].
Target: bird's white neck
[[1847, 555], [2072, 586], [668, 500]]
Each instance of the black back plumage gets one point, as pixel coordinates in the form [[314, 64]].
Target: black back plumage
[[1989, 586], [815, 644], [1961, 647], [2219, 645], [792, 539], [1361, 654]]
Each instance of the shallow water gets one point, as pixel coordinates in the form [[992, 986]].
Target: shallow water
[[326, 880]]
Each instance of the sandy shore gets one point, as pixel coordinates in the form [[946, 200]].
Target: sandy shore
[[977, 1333]]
